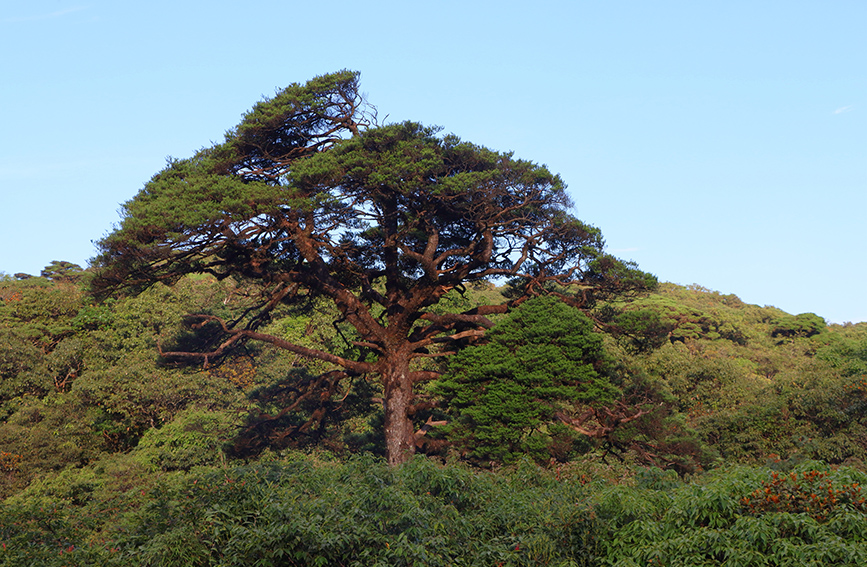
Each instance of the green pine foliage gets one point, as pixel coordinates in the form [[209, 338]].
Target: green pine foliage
[[503, 395]]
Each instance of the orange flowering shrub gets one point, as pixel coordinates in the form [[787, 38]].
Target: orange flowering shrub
[[9, 462], [812, 493]]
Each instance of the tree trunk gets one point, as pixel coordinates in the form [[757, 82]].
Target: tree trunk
[[399, 439]]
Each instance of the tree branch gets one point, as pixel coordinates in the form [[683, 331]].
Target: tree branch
[[236, 335]]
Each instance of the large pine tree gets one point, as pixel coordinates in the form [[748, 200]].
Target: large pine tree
[[307, 197]]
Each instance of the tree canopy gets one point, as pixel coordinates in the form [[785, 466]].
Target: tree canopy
[[308, 198]]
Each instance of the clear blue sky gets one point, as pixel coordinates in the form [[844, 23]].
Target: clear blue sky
[[718, 143]]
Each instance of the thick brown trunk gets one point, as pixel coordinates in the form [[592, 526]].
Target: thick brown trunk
[[399, 438]]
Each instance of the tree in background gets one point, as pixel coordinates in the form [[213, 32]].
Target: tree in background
[[803, 325], [307, 199], [59, 270]]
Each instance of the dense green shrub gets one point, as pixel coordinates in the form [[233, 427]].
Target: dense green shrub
[[803, 325], [306, 510], [715, 520], [543, 357], [195, 437], [303, 511]]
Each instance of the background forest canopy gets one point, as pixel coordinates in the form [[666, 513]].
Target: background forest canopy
[[320, 291]]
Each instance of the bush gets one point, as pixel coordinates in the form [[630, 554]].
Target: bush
[[542, 358], [738, 516], [803, 325], [306, 511], [193, 438]]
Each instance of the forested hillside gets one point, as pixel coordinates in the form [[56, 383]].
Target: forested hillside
[[330, 341], [112, 454]]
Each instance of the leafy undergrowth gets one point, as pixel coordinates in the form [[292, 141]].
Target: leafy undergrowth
[[723, 518], [304, 510]]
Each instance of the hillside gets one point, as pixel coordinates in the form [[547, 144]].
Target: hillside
[[97, 426]]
